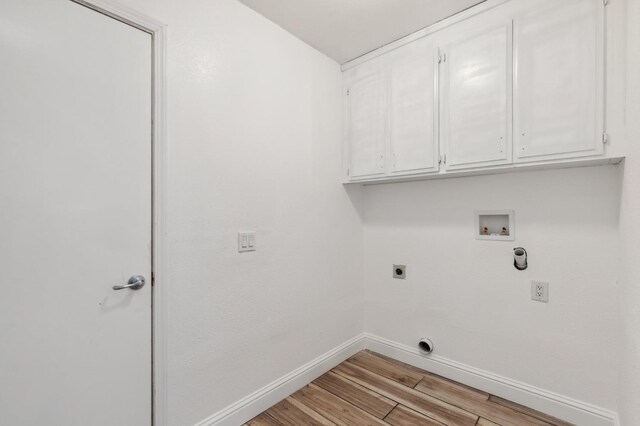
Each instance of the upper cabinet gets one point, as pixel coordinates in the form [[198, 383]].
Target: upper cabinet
[[518, 84], [413, 105], [559, 80], [391, 114], [476, 98], [366, 121]]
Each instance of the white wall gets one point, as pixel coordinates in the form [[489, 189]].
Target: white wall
[[254, 144], [479, 311], [629, 389], [466, 295]]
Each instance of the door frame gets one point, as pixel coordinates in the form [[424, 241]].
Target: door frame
[[157, 30]]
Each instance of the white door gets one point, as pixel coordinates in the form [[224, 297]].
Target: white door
[[477, 99], [559, 74], [75, 217], [413, 107], [366, 120]]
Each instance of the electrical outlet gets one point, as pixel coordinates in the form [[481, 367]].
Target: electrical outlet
[[399, 271], [540, 291]]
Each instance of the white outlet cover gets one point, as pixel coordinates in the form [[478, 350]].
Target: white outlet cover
[[540, 291]]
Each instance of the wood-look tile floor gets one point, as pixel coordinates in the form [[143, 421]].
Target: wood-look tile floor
[[370, 389]]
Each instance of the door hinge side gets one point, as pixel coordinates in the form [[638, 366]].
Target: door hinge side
[[605, 138], [348, 92], [605, 2]]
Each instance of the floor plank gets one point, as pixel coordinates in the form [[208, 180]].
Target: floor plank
[[363, 398], [530, 411], [385, 368], [371, 389], [448, 390], [475, 402], [403, 416], [289, 412], [418, 401], [485, 422], [410, 367], [333, 408], [500, 414], [263, 419]]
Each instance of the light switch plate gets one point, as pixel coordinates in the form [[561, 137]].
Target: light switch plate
[[246, 241]]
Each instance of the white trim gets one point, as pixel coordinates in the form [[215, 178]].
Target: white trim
[[560, 406], [507, 168], [616, 420], [157, 30], [458, 17], [260, 400], [160, 365], [125, 14]]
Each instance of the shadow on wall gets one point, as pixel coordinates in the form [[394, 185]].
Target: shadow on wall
[[554, 198], [355, 194]]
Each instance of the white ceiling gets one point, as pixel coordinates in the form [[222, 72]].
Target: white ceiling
[[346, 29]]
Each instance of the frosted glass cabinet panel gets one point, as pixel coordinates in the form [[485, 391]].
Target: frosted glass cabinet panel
[[558, 93], [477, 99], [366, 109], [412, 107]]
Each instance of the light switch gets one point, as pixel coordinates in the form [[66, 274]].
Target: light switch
[[246, 241]]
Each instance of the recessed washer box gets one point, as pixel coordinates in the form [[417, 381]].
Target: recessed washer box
[[496, 225]]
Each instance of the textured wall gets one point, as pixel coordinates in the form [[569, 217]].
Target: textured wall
[[629, 389], [254, 144], [467, 296]]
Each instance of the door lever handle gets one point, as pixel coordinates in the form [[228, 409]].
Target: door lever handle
[[136, 282]]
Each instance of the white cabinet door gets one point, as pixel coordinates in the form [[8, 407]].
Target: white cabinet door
[[366, 124], [412, 108], [477, 99], [558, 108]]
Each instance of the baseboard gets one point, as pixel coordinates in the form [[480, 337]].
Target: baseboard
[[254, 404], [560, 406], [616, 420]]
